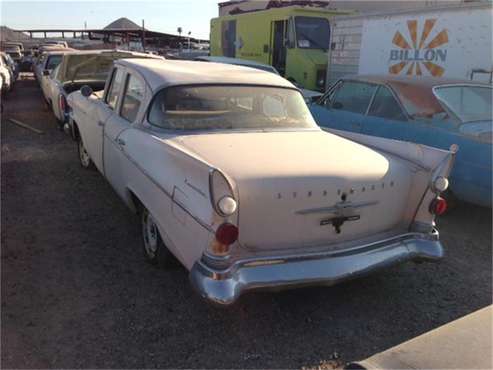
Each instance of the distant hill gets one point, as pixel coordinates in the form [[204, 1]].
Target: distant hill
[[123, 24], [7, 34]]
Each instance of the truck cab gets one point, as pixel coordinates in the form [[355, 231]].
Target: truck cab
[[294, 40]]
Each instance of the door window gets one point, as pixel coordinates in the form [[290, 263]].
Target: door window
[[53, 61], [134, 95], [279, 52], [385, 105], [228, 38], [352, 97], [115, 88]]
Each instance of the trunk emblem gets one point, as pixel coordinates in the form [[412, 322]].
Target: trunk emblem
[[342, 211], [337, 222]]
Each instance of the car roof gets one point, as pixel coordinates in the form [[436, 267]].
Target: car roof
[[58, 51], [163, 73], [102, 51], [236, 61], [415, 92]]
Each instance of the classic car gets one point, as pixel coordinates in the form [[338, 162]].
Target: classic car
[[45, 66], [79, 68], [14, 51], [232, 176], [6, 73], [430, 111], [12, 66]]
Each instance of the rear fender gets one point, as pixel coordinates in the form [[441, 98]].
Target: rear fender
[[430, 163]]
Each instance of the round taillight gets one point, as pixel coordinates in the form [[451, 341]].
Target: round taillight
[[438, 206], [227, 234]]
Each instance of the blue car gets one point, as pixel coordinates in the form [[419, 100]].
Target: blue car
[[425, 110]]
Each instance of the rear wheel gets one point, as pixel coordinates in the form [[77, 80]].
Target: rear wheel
[[155, 251], [84, 158]]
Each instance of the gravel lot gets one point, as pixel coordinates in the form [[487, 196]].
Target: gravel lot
[[77, 293]]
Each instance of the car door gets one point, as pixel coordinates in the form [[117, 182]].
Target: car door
[[344, 107], [129, 112], [386, 116], [98, 117]]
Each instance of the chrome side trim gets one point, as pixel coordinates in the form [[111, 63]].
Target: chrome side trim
[[165, 192]]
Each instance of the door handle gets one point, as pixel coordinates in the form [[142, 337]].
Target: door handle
[[100, 123], [120, 142]]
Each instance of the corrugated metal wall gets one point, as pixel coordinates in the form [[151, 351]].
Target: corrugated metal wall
[[345, 48]]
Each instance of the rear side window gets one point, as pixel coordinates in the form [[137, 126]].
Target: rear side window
[[386, 106], [352, 97], [132, 100], [53, 61], [115, 88]]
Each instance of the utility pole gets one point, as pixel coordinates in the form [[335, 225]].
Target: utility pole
[[189, 33], [143, 36]]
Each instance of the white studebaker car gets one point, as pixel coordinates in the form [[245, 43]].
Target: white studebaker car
[[233, 178]]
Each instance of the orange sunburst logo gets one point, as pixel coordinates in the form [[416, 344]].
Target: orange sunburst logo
[[412, 57]]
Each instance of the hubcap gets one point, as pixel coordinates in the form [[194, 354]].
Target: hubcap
[[84, 155], [150, 232]]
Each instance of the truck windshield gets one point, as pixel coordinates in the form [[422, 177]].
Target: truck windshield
[[468, 103], [312, 33], [229, 107]]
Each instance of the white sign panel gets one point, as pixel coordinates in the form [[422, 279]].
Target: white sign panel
[[440, 44]]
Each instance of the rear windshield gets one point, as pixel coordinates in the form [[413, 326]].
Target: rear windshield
[[468, 103], [229, 107]]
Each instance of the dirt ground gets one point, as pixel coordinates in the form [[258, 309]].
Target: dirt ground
[[77, 293]]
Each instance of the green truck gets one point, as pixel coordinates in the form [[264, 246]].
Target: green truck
[[295, 40]]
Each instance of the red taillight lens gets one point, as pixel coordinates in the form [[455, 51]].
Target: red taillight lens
[[438, 206], [227, 234], [63, 103]]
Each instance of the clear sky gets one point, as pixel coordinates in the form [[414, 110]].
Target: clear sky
[[160, 15]]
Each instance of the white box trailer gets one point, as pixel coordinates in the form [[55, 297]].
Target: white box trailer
[[453, 41]]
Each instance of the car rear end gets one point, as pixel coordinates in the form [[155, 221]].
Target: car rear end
[[323, 229]]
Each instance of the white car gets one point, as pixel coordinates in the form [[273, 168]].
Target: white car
[[44, 67], [5, 74], [232, 176]]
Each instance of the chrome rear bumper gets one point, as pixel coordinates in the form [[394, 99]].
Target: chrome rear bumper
[[225, 286]]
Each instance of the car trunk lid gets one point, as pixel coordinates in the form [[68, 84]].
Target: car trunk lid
[[306, 188]]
